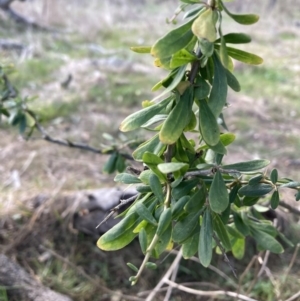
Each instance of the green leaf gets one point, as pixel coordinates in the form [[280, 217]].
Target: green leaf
[[255, 180], [218, 194], [164, 241], [247, 19], [221, 231], [190, 246], [165, 220], [291, 184], [143, 240], [235, 38], [171, 167], [152, 160], [182, 57], [275, 199], [248, 165], [151, 265], [178, 119], [120, 235], [141, 49], [173, 41], [177, 208], [205, 240], [152, 145], [238, 248], [274, 176], [202, 88], [133, 267], [240, 224], [111, 164], [137, 119], [145, 213], [22, 123], [197, 200], [185, 226], [209, 127], [232, 81], [266, 241], [127, 178], [184, 188], [256, 190], [218, 94], [243, 56], [145, 176], [156, 187]]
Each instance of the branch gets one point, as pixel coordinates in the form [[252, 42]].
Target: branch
[[71, 144], [289, 207]]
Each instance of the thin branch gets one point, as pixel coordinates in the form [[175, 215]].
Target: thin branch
[[174, 264], [115, 209], [263, 264], [291, 263], [70, 144], [207, 293], [294, 297]]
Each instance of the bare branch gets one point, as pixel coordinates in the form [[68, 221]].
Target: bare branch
[[71, 144]]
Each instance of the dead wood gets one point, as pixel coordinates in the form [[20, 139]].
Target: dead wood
[[23, 287]]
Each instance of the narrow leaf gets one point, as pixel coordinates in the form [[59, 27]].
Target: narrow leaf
[[218, 194], [221, 231], [256, 190], [275, 199], [190, 246], [243, 56], [205, 240], [218, 94], [235, 38], [145, 213], [127, 178], [141, 49], [248, 165], [156, 187], [171, 167], [232, 81]]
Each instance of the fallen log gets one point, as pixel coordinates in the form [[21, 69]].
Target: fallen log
[[23, 287]]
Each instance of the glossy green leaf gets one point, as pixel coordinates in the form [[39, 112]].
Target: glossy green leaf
[[137, 119], [184, 188], [141, 49], [152, 160], [266, 241], [152, 145], [243, 56], [205, 239], [202, 88], [248, 165], [177, 208], [209, 127], [143, 240], [220, 229], [171, 167], [218, 194], [178, 119], [120, 235], [165, 220], [235, 38], [275, 199], [164, 241], [184, 228], [145, 213], [232, 81], [218, 94], [173, 41], [256, 190], [127, 178], [240, 224], [274, 176], [190, 246], [197, 200], [156, 187], [246, 19], [182, 57]]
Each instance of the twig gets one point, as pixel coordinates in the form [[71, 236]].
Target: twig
[[170, 288], [88, 277], [166, 276], [224, 255], [71, 144], [207, 293], [291, 264], [263, 263], [113, 210]]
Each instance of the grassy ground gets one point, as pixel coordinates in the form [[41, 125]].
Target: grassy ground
[[108, 82]]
